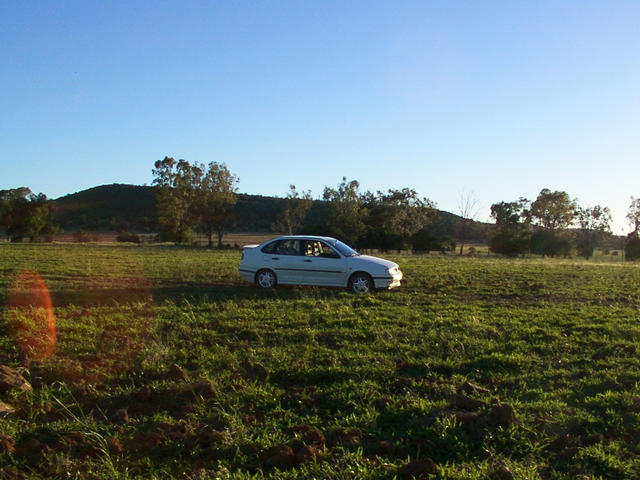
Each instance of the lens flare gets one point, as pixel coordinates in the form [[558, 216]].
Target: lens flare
[[30, 316]]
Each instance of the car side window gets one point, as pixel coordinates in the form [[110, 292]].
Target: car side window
[[270, 248], [310, 248], [288, 247], [326, 251]]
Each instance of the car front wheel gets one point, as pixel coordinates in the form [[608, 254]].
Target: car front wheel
[[266, 279], [361, 283]]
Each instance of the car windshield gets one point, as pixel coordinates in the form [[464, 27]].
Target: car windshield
[[345, 249]]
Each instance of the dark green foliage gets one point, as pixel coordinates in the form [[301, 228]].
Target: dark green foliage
[[594, 229], [383, 240], [397, 213], [510, 243], [320, 230], [177, 197], [26, 215], [550, 243], [632, 247], [215, 201], [541, 227], [424, 240], [194, 197], [513, 228], [383, 221], [347, 215]]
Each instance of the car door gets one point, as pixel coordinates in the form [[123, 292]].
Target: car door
[[285, 260], [322, 265]]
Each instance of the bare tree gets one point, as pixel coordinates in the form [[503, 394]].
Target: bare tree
[[468, 210]]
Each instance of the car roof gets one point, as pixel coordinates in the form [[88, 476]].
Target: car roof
[[302, 237]]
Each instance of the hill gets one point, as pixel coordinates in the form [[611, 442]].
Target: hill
[[108, 207], [133, 207]]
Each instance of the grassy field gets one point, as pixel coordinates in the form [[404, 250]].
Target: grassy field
[[166, 366]]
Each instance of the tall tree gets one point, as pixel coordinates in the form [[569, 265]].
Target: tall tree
[[296, 208], [178, 184], [346, 213], [510, 214], [468, 210], [632, 243], [216, 199], [552, 213], [553, 210], [594, 226], [39, 222], [633, 215]]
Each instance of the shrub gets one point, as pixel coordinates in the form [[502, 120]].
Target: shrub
[[425, 241], [547, 242], [509, 243], [125, 236], [382, 240], [82, 236], [632, 247], [167, 235]]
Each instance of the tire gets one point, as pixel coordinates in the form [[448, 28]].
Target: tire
[[266, 279], [361, 282]]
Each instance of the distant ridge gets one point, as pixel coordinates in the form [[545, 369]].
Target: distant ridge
[[133, 207], [112, 207]]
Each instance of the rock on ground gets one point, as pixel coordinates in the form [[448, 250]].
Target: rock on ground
[[10, 379], [6, 410], [418, 467]]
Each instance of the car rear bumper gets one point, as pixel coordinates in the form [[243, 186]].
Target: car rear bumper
[[248, 275]]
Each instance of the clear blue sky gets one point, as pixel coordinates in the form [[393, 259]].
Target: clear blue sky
[[499, 98]]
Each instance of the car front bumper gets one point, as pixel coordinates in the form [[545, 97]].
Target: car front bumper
[[387, 282]]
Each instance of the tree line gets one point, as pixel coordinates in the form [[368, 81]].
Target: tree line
[[554, 224], [194, 198], [202, 198]]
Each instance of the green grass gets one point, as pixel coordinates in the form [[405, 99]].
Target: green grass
[[556, 340]]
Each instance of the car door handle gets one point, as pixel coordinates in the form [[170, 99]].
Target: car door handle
[[275, 258], [308, 261]]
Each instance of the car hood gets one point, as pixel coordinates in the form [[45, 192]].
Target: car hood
[[362, 261]]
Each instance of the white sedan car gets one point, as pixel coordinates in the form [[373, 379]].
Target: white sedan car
[[311, 260]]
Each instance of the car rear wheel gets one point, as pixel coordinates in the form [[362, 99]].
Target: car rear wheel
[[266, 279], [361, 282]]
